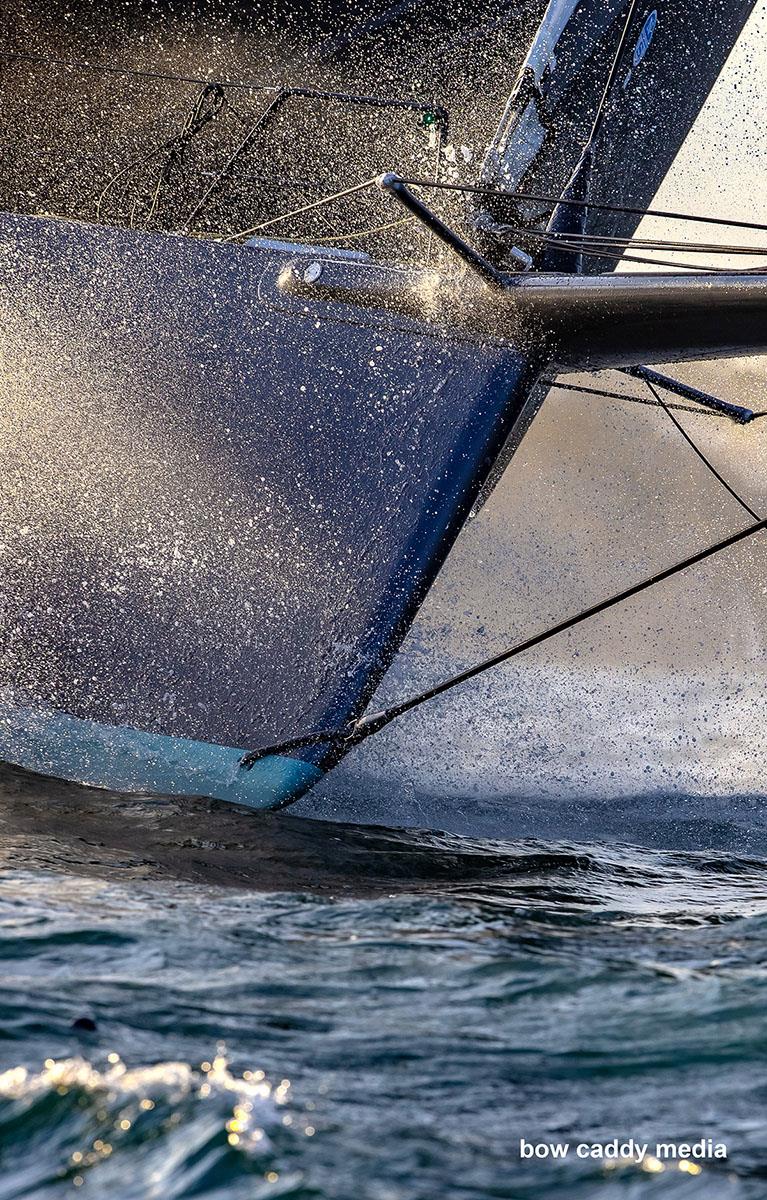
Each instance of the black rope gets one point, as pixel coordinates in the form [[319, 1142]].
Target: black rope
[[241, 149], [641, 243], [693, 445], [512, 197], [596, 243], [440, 114], [206, 108], [594, 248], [355, 732]]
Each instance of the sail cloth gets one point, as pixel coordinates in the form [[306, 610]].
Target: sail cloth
[[673, 57], [672, 53]]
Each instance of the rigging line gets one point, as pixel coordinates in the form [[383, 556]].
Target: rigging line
[[136, 162], [411, 105], [650, 262], [591, 391], [355, 732], [196, 120], [175, 145], [296, 212], [617, 58], [700, 269], [348, 237], [283, 94], [220, 236], [438, 141], [480, 190], [709, 465], [133, 72], [498, 228], [582, 244], [243, 145], [668, 244]]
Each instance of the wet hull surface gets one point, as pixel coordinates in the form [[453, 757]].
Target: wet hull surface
[[222, 503]]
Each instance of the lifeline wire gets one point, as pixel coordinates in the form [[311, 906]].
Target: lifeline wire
[[358, 233], [130, 72], [296, 212], [357, 731]]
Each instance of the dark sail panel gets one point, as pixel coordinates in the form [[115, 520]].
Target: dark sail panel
[[565, 131], [674, 54]]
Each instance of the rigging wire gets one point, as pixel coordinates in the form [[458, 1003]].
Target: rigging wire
[[281, 92], [131, 72], [354, 732], [475, 189], [582, 243], [242, 147], [604, 241], [694, 446], [175, 146], [482, 190], [561, 217], [297, 212], [641, 243], [590, 244], [349, 237], [614, 67]]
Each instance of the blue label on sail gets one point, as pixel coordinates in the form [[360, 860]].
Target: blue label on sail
[[645, 37]]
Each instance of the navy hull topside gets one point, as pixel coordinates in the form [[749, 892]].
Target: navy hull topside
[[229, 474], [222, 503]]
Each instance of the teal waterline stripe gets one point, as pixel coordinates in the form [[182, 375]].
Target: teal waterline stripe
[[131, 760]]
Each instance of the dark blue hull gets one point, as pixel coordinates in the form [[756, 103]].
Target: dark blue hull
[[223, 502]]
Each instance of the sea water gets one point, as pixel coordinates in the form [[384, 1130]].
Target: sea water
[[200, 1001]]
